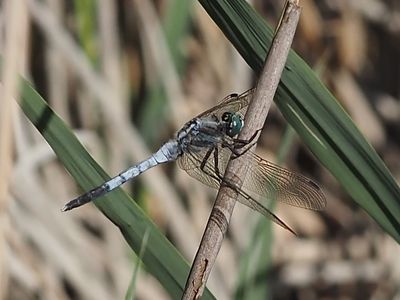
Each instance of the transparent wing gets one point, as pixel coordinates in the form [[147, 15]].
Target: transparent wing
[[273, 182], [233, 103], [191, 162], [264, 181]]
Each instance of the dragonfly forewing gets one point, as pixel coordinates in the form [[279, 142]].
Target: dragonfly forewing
[[273, 182], [191, 162], [232, 103]]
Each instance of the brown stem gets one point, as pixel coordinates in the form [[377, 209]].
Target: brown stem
[[236, 169]]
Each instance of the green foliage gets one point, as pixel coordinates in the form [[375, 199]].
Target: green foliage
[[85, 13]]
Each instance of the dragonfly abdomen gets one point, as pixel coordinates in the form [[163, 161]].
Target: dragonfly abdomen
[[170, 151]]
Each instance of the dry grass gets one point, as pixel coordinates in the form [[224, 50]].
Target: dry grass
[[126, 94]]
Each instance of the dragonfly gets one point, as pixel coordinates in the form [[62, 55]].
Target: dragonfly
[[203, 148]]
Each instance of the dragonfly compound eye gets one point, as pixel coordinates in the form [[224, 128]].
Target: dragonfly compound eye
[[235, 125]]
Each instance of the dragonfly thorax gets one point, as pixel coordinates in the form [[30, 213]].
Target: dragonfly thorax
[[207, 132], [233, 123], [202, 133], [188, 133]]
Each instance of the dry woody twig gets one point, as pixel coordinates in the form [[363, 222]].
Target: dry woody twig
[[255, 118]]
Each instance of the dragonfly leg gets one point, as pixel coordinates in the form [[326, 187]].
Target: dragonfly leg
[[205, 159], [239, 143], [237, 154], [216, 160], [216, 176], [243, 145], [235, 144]]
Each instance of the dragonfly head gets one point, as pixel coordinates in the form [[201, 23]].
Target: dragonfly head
[[233, 122]]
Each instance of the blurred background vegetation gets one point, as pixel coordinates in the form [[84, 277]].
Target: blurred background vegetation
[[162, 62]]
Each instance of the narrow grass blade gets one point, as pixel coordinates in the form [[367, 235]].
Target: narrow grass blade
[[130, 293]]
